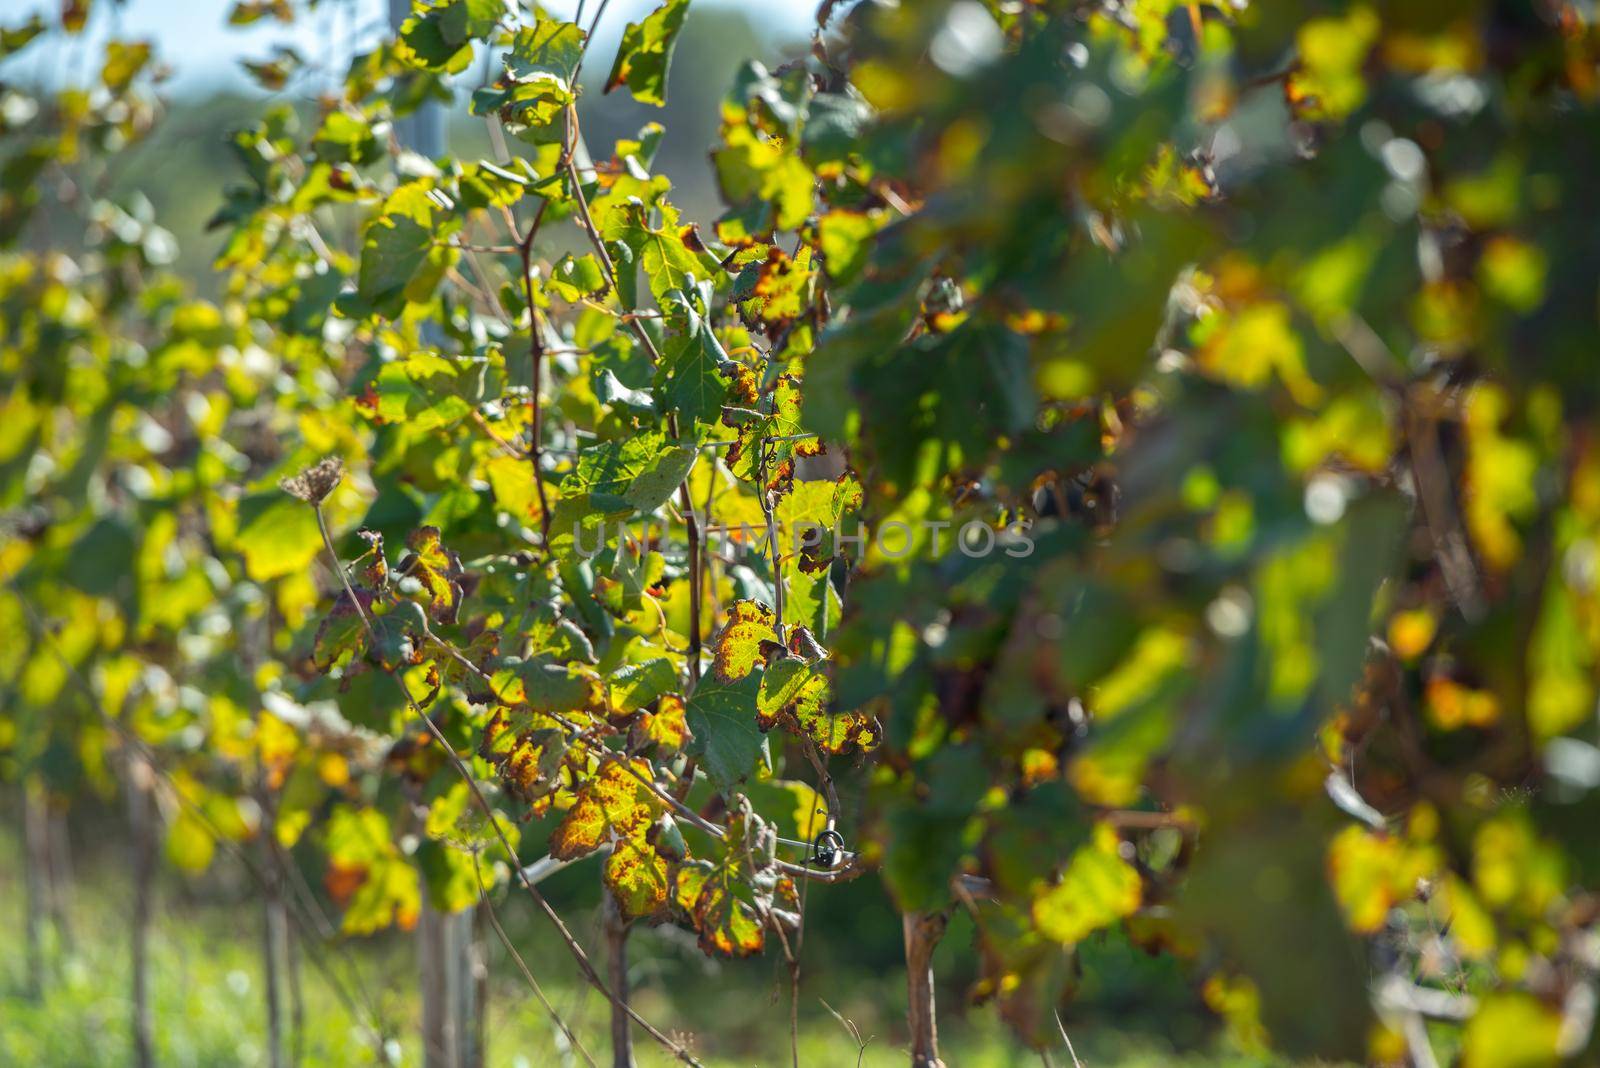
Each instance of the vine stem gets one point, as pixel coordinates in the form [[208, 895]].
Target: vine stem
[[574, 947], [616, 928], [772, 536], [923, 930]]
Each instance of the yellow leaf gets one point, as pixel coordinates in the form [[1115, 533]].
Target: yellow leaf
[[1500, 478], [1247, 347], [614, 802], [1512, 1031], [1097, 889], [1364, 868], [1410, 633]]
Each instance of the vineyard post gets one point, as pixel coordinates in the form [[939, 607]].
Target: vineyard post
[[34, 846], [274, 958], [141, 818], [58, 843], [923, 930], [452, 987], [274, 918]]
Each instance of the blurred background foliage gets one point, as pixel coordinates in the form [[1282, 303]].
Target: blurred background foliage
[[1273, 326]]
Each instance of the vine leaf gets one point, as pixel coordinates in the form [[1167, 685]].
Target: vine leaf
[[440, 37], [437, 570], [639, 474], [277, 535], [797, 695], [546, 686], [537, 83], [667, 726], [729, 898], [404, 251], [639, 877], [645, 55], [341, 633], [612, 803], [690, 380], [721, 716], [737, 648], [636, 685], [669, 264], [1097, 888]]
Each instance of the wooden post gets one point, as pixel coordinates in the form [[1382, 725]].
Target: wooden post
[[922, 933], [433, 951], [60, 847], [36, 867], [297, 1007], [475, 990], [452, 979], [141, 825], [275, 958]]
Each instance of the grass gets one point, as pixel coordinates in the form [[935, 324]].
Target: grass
[[207, 997]]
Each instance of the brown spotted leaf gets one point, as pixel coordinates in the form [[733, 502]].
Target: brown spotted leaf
[[637, 875], [437, 570], [667, 726], [797, 695], [614, 803], [729, 898], [737, 647]]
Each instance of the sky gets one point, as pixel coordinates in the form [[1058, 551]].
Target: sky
[[193, 37]]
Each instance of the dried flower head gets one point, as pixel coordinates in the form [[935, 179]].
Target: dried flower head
[[315, 483]]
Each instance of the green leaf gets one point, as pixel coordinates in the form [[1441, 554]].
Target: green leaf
[[615, 801], [402, 251], [538, 81], [668, 263], [722, 717], [124, 61], [101, 560], [797, 695], [548, 50], [655, 485], [576, 277], [426, 391], [190, 845], [645, 55], [636, 685], [639, 474], [439, 37], [1513, 1030], [346, 138], [690, 381], [737, 648], [340, 635], [546, 686], [608, 389], [845, 237], [729, 899], [639, 878], [14, 39], [767, 182]]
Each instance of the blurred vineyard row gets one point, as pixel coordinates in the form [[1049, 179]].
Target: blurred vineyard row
[[473, 521]]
